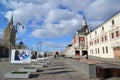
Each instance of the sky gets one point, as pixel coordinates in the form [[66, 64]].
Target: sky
[[53, 23]]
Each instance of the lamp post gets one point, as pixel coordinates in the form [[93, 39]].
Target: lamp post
[[40, 45], [12, 34]]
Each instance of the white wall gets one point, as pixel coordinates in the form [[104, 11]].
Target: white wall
[[108, 28]]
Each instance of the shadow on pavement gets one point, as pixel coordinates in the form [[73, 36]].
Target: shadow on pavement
[[58, 68], [34, 75], [58, 72]]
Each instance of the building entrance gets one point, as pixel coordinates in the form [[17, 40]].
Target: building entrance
[[84, 52], [77, 53]]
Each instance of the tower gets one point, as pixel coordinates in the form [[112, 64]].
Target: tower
[[81, 36], [85, 29], [9, 34]]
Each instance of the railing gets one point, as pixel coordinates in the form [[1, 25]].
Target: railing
[[4, 59]]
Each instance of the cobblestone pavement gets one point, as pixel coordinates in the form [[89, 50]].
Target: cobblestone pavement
[[57, 69]]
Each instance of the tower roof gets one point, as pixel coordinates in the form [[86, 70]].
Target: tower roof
[[84, 30], [11, 22]]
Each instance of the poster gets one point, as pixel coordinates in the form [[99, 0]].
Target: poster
[[40, 55], [20, 56], [33, 55]]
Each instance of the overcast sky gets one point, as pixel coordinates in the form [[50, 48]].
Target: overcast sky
[[54, 22]]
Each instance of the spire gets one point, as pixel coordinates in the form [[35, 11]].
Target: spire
[[84, 15], [11, 22], [84, 22], [85, 29]]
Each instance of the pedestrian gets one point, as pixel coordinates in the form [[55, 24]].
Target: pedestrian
[[86, 56], [54, 56]]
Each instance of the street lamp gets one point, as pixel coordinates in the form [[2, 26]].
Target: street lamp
[[12, 34], [40, 45]]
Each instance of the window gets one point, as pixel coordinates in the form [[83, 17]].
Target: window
[[103, 49], [106, 49], [90, 43], [92, 51], [98, 51], [97, 40], [113, 22], [117, 34], [95, 32], [102, 39], [112, 35], [102, 28], [105, 38]]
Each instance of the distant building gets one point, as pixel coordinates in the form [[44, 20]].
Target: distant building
[[9, 38], [104, 41], [67, 51], [9, 34]]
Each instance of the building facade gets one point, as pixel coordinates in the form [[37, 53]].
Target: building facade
[[104, 41], [79, 42]]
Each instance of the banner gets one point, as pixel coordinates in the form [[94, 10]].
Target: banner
[[33, 55], [40, 55], [20, 56]]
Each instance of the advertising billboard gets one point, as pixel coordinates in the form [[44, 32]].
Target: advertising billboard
[[40, 55], [20, 56], [33, 55]]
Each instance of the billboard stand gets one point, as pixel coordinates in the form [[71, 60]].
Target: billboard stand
[[19, 56]]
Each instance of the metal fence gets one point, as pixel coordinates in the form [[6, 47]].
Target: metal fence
[[4, 59]]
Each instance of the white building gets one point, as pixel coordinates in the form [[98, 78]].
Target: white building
[[79, 42], [104, 41]]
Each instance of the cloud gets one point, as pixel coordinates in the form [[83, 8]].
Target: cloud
[[75, 5], [1, 32], [57, 30], [101, 10], [50, 44], [60, 14], [55, 18]]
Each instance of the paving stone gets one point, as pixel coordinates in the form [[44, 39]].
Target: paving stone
[[58, 69]]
